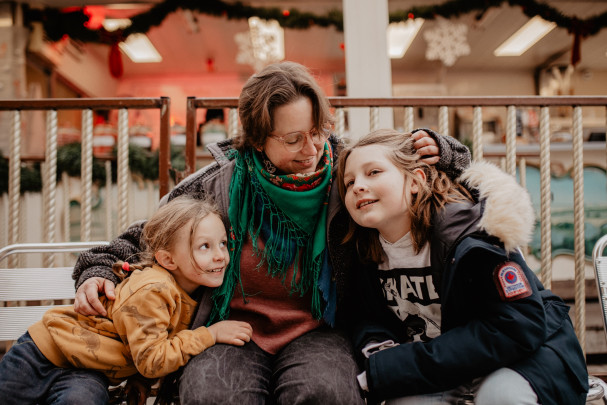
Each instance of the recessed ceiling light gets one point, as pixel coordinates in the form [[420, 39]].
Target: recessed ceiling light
[[6, 15], [400, 36], [137, 47], [525, 37]]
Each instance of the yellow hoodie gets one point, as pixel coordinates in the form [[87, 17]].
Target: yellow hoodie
[[146, 330]]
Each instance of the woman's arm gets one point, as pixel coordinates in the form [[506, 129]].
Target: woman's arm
[[453, 156], [93, 270]]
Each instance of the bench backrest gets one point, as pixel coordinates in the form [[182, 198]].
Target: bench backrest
[[31, 284], [27, 293]]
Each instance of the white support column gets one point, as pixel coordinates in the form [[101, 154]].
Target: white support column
[[368, 70]]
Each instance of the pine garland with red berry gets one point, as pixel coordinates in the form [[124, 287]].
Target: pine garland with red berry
[[71, 22]]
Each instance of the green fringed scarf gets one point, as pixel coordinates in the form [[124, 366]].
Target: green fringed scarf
[[289, 212]]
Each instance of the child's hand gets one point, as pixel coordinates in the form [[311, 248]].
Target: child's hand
[[426, 146], [231, 332]]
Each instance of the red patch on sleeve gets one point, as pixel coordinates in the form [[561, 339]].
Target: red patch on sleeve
[[511, 282]]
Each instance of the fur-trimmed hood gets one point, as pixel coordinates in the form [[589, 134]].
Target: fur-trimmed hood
[[508, 211]]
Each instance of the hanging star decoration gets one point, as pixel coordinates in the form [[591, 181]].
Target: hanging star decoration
[[447, 42]]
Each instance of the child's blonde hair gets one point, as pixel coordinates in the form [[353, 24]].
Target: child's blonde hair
[[433, 194], [159, 232]]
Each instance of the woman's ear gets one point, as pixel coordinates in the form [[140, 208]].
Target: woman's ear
[[420, 177], [165, 259], [259, 145]]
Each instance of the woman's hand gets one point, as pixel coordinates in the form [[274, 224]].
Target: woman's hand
[[87, 296], [427, 147], [231, 332]]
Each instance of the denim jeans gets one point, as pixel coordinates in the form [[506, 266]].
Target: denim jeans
[[316, 368], [502, 387], [27, 377]]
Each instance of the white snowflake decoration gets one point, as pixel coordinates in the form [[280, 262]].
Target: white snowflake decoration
[[262, 45], [245, 51], [447, 42]]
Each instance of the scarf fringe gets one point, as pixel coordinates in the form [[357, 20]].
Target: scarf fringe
[[285, 244]]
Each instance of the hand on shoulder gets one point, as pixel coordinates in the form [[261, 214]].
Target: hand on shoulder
[[87, 301]]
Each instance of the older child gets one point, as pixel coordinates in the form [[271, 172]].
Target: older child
[[449, 309], [146, 329]]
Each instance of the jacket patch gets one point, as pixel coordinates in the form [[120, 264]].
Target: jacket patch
[[511, 282]]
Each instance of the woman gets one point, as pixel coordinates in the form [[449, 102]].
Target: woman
[[273, 186]]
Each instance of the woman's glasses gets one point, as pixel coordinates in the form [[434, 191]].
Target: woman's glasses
[[295, 141]]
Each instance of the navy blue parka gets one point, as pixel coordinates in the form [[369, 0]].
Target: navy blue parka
[[480, 331]]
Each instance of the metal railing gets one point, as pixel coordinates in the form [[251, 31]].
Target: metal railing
[[60, 247], [444, 106], [49, 172], [407, 107]]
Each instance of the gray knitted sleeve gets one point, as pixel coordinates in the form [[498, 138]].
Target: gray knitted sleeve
[[454, 156], [98, 261]]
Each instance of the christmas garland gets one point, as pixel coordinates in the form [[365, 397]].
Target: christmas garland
[[58, 23], [72, 22], [142, 162], [531, 8]]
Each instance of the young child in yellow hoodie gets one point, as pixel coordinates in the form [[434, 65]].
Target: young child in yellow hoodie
[[146, 328]]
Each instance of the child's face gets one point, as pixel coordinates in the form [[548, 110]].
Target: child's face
[[378, 194], [210, 254]]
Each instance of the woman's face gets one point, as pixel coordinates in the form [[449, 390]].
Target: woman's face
[[293, 117]]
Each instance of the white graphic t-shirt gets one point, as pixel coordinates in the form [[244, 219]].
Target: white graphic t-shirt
[[409, 287]]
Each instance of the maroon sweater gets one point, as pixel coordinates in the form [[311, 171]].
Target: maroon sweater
[[276, 316]]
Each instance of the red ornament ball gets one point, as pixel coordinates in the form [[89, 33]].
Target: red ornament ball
[[115, 60]]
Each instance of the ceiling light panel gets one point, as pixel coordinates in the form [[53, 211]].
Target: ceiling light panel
[[400, 36], [137, 47], [523, 39]]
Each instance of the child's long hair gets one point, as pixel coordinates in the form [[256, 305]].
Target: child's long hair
[[433, 194], [160, 230]]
